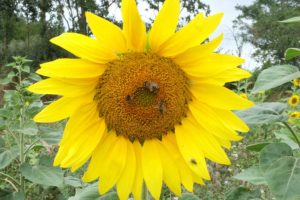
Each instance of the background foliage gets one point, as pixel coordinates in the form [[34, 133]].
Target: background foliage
[[265, 165]]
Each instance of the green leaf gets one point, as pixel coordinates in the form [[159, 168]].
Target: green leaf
[[263, 113], [91, 193], [291, 20], [26, 69], [72, 181], [189, 196], [30, 128], [4, 112], [34, 77], [283, 178], [275, 76], [8, 156], [49, 135], [285, 136], [13, 196], [257, 147], [291, 53], [242, 193], [252, 175], [44, 175], [272, 153]]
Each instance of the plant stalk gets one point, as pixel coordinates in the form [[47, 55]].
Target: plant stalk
[[293, 133], [22, 155], [8, 176]]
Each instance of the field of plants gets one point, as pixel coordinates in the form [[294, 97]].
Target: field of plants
[[265, 164]]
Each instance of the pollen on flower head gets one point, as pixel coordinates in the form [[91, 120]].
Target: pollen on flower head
[[294, 100], [142, 95]]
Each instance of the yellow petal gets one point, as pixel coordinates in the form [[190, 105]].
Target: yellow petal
[[171, 174], [211, 64], [138, 180], [192, 55], [230, 119], [84, 47], [152, 167], [133, 26], [72, 131], [224, 143], [198, 179], [165, 24], [231, 75], [191, 35], [71, 68], [219, 97], [203, 115], [207, 143], [89, 135], [169, 142], [125, 183], [88, 141], [60, 109], [112, 166], [106, 144], [191, 153], [58, 87], [107, 33]]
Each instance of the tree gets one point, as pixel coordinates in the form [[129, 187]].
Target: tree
[[259, 25]]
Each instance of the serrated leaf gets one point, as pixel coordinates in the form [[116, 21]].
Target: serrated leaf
[[291, 53], [252, 175], [263, 113], [275, 76], [271, 153], [283, 178], [44, 175], [91, 193], [242, 193], [257, 147], [189, 196], [291, 20], [6, 157]]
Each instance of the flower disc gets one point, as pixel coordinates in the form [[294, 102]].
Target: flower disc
[[142, 96], [144, 108]]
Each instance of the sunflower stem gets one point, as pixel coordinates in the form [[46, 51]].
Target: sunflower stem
[[21, 124], [293, 133]]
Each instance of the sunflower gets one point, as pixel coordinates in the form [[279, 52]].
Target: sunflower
[[144, 109], [294, 100], [296, 82], [295, 114]]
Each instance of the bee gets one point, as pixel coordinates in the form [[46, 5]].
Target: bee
[[128, 98], [151, 86], [162, 107], [193, 161]]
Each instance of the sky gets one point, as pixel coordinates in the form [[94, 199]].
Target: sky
[[230, 13]]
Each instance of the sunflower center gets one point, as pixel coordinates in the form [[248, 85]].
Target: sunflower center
[[294, 100], [142, 95]]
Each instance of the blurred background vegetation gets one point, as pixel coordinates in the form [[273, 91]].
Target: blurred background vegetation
[[27, 149]]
